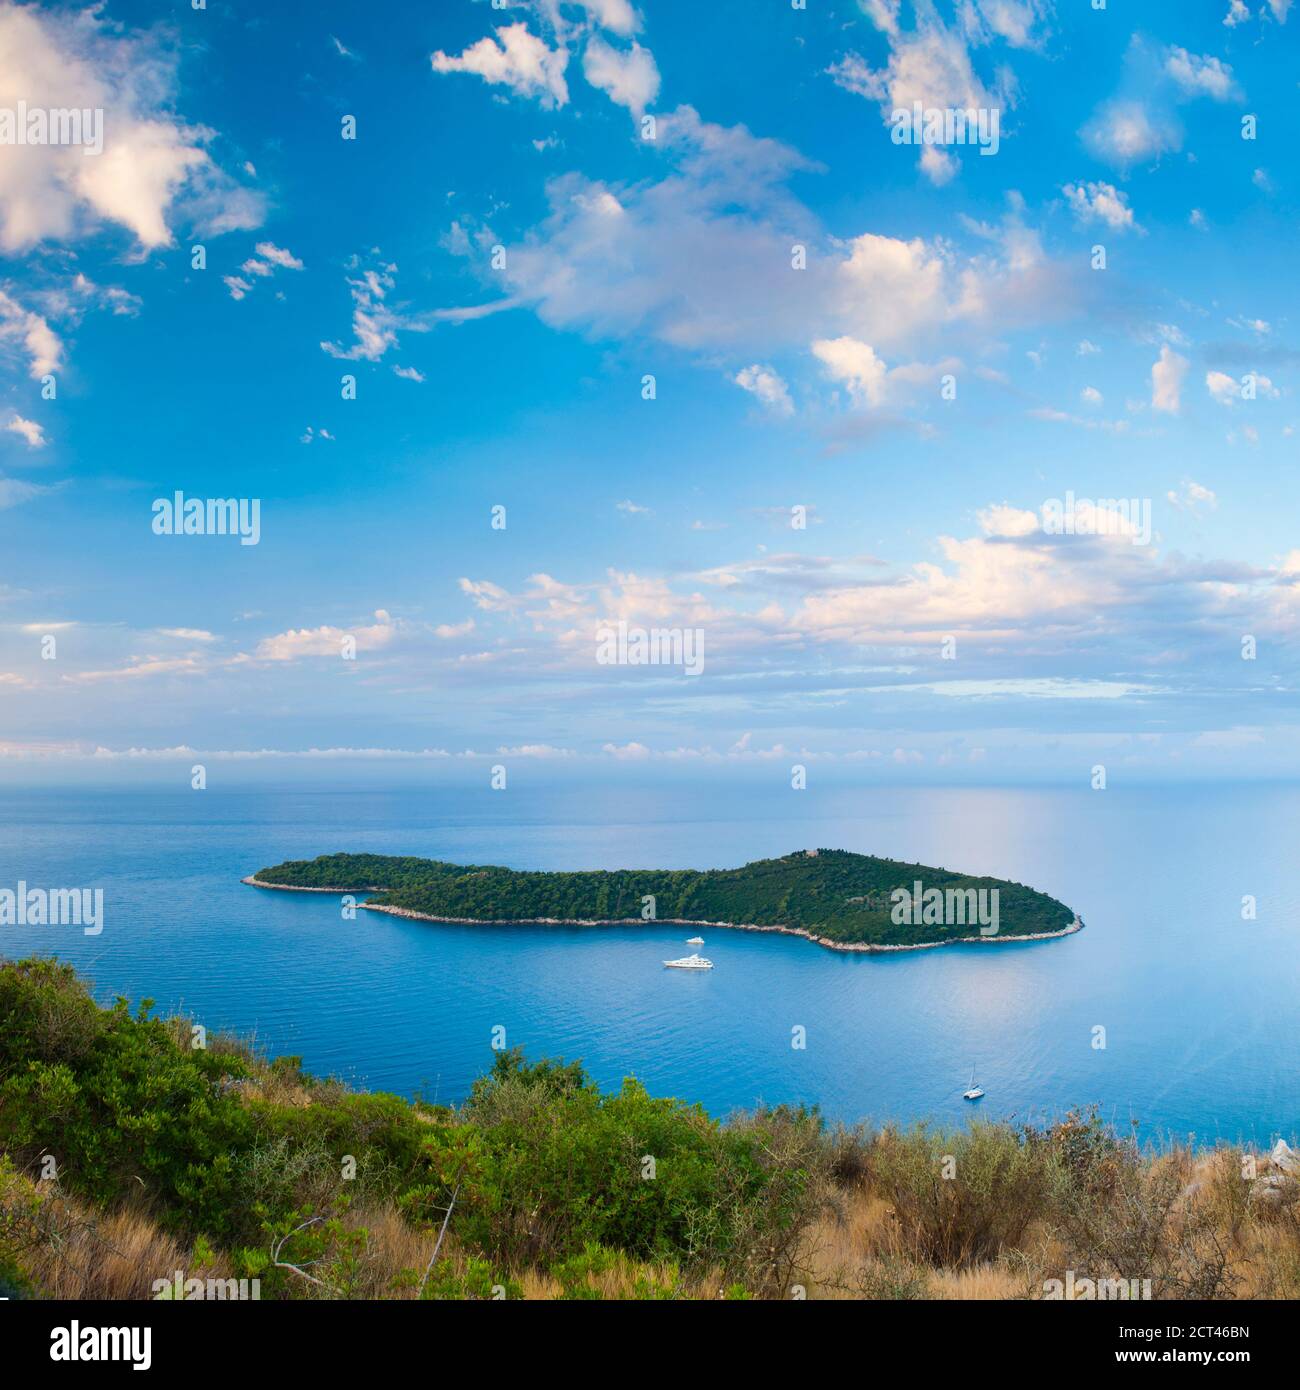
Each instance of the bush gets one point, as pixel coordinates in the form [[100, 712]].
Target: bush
[[561, 1168], [961, 1196]]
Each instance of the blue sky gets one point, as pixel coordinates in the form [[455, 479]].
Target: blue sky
[[945, 364]]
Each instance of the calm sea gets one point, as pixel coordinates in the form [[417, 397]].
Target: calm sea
[[1198, 1007]]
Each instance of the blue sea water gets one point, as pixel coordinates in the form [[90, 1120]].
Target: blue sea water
[[1198, 1006]]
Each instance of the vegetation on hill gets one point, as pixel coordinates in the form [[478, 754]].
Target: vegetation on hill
[[128, 1155], [835, 894]]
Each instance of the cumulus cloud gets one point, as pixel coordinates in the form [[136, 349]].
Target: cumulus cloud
[[869, 381], [1124, 132], [152, 166], [627, 752], [376, 323], [677, 258], [618, 16], [1222, 387], [1101, 202], [517, 59], [766, 384], [1190, 496], [268, 258], [1167, 375], [1015, 21], [1140, 123], [28, 430], [1082, 615], [26, 332], [298, 643], [1227, 390], [1200, 75], [931, 64], [628, 78], [855, 364]]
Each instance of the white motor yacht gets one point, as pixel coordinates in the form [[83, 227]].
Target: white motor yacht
[[691, 962]]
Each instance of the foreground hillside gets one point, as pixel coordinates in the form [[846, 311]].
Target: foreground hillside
[[834, 895], [129, 1156]]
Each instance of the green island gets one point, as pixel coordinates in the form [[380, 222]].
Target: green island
[[837, 898]]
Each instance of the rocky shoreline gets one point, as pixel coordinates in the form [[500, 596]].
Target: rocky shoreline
[[869, 947]]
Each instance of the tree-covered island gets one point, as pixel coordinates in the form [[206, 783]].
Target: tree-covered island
[[840, 899]]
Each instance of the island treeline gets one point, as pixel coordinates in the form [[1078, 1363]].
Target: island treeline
[[835, 894]]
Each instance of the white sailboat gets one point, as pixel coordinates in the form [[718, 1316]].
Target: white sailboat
[[972, 1092], [691, 962]]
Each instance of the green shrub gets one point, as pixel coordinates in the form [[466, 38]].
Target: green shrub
[[961, 1196]]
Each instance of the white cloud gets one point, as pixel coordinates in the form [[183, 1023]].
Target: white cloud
[[1238, 13], [27, 429], [375, 323], [931, 64], [1140, 122], [1192, 495], [1012, 20], [268, 259], [152, 166], [326, 641], [939, 166], [277, 256], [628, 78], [1004, 520], [627, 752], [855, 364], [675, 259], [870, 383], [517, 59], [767, 385], [140, 668], [20, 327], [1101, 202], [121, 303], [1167, 380], [1090, 395], [1124, 132], [1222, 387], [1202, 75], [632, 508], [1228, 390], [617, 16]]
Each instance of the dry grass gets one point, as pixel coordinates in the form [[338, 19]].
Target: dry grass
[[72, 1251]]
